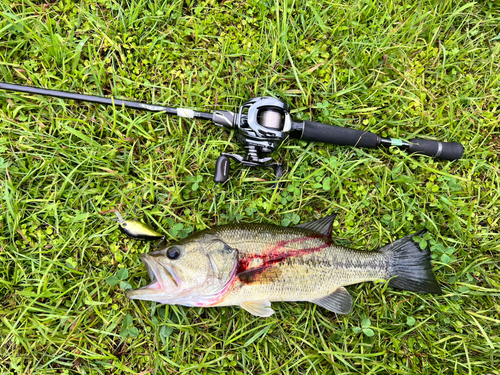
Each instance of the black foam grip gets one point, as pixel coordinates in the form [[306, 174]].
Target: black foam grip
[[337, 135], [438, 150]]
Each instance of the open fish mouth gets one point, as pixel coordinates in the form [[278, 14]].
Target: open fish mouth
[[154, 290], [149, 268], [161, 275], [155, 270]]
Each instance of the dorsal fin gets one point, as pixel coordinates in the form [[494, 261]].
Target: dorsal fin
[[322, 226]]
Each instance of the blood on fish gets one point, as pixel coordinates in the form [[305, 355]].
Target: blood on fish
[[274, 256]]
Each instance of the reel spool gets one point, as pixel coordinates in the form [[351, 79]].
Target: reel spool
[[262, 124]]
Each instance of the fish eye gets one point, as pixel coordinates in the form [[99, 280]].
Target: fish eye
[[173, 253]]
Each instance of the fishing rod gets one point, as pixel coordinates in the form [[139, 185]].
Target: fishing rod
[[262, 124]]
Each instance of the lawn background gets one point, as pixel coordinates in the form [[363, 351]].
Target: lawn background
[[402, 69]]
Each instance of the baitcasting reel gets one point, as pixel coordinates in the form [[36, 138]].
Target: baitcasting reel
[[262, 124]]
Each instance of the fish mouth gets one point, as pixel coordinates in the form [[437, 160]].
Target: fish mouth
[[153, 268], [153, 290], [151, 272]]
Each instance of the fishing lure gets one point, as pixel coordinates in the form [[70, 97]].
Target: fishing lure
[[136, 229]]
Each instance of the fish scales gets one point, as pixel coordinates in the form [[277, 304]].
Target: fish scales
[[302, 265], [252, 265]]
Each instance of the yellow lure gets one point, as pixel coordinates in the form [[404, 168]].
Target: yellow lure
[[136, 229]]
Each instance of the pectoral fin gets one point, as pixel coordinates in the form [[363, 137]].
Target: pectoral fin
[[339, 302], [259, 308]]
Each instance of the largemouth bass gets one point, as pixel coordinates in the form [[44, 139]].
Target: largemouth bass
[[252, 265]]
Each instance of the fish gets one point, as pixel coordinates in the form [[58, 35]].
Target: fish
[[253, 265]]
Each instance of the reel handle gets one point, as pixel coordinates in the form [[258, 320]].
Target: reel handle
[[337, 135], [223, 166]]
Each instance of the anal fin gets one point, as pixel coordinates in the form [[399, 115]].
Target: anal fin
[[339, 302], [260, 308]]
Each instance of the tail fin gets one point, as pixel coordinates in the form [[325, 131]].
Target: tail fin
[[410, 267]]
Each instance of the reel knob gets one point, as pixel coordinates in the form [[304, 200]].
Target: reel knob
[[278, 170], [222, 168]]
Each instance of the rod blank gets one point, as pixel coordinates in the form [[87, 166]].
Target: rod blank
[[105, 101]]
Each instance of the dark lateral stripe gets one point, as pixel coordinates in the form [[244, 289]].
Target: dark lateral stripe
[[266, 274]]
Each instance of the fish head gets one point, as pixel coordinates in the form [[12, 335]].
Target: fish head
[[189, 272]]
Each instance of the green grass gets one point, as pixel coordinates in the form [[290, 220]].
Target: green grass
[[399, 68]]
